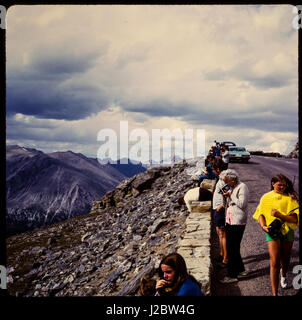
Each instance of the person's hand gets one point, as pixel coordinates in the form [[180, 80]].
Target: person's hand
[[227, 194], [275, 213], [219, 208], [160, 284], [265, 228]]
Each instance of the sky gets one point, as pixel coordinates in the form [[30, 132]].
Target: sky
[[230, 71]]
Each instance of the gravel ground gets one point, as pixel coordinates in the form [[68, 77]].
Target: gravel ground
[[256, 174]]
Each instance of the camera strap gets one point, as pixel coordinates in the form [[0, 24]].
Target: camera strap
[[293, 210]]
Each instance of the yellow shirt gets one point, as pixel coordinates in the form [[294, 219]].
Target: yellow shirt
[[281, 202]]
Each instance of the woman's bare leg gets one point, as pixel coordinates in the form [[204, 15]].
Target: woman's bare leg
[[274, 253], [285, 254], [222, 242]]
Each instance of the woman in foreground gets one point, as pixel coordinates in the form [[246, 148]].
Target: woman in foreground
[[175, 279]]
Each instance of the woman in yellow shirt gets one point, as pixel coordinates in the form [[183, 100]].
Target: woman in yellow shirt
[[281, 203]]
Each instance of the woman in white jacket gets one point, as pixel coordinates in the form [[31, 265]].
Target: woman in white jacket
[[236, 218]]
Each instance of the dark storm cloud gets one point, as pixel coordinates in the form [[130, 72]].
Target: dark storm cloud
[[68, 64], [48, 100], [270, 122], [64, 58], [44, 130], [40, 89], [244, 72], [155, 108], [272, 118], [268, 82]]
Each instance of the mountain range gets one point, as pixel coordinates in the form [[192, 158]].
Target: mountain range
[[45, 188]]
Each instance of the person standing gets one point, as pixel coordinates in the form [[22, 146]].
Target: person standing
[[236, 219], [279, 206], [217, 151], [225, 155], [218, 206]]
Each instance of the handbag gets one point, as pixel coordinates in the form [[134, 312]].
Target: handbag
[[274, 229]]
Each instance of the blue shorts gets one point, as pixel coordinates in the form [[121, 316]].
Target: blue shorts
[[219, 218]]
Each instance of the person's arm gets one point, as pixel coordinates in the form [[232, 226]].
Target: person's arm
[[219, 207], [242, 199], [262, 223], [291, 218], [217, 196]]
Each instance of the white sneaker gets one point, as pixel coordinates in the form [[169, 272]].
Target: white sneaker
[[243, 274], [283, 282], [228, 280]]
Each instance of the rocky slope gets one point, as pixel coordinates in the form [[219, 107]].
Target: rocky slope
[[47, 188], [105, 252]]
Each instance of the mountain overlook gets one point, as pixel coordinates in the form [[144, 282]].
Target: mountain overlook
[[47, 188], [106, 252]]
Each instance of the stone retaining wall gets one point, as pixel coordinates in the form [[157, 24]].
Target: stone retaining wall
[[195, 247]]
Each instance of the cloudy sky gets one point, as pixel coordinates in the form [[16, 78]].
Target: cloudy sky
[[75, 70]]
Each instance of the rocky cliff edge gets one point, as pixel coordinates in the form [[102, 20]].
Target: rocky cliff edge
[[123, 238]]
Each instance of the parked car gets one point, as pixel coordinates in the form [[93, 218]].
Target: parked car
[[228, 143], [239, 154]]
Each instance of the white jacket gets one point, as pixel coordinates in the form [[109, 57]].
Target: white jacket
[[238, 203]]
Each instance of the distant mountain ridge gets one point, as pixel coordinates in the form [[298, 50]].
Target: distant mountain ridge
[[45, 188]]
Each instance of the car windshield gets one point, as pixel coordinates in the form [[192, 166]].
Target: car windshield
[[237, 149]]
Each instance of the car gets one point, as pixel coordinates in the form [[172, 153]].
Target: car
[[228, 143], [239, 154]]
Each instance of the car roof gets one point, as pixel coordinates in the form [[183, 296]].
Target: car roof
[[238, 147], [228, 142]]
